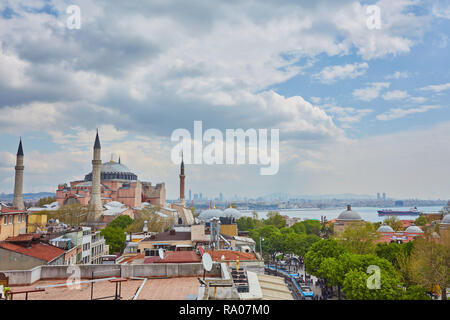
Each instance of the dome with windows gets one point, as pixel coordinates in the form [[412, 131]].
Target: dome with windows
[[385, 228], [114, 171], [413, 229], [349, 215]]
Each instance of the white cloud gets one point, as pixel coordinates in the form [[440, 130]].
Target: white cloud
[[395, 95], [371, 92], [398, 75], [396, 113], [349, 71], [437, 87]]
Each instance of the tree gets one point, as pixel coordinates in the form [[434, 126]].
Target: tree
[[356, 286], [274, 218], [121, 222], [45, 200], [394, 223], [359, 239], [319, 251], [114, 237], [430, 262], [155, 223], [71, 214], [248, 223], [421, 221], [312, 227]]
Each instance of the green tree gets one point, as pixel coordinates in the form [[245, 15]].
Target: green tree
[[312, 227], [394, 223], [356, 288], [359, 239], [275, 219], [421, 221], [319, 251], [121, 222], [45, 200], [114, 237], [430, 263]]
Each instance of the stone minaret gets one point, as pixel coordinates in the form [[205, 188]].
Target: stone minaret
[[95, 203], [182, 201], [18, 184]]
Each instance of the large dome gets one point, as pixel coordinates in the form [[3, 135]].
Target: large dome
[[114, 171], [413, 229], [446, 219], [349, 215], [232, 212], [385, 228], [211, 213]]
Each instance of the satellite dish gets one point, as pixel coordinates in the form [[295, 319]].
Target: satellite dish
[[207, 262], [161, 253]]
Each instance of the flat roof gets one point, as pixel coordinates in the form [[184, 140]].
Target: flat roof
[[154, 289]]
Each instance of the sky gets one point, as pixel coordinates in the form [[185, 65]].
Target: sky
[[359, 109]]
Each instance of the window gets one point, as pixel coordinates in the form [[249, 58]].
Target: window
[[5, 221], [10, 219]]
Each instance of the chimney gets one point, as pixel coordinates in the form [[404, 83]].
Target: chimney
[[349, 207]]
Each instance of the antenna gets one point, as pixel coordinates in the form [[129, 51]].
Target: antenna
[[207, 263], [161, 253]]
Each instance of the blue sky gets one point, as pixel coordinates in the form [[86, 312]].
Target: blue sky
[[359, 110]]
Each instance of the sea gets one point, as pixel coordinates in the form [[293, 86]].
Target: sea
[[367, 213]]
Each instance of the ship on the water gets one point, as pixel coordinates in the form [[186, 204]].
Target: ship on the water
[[389, 212]]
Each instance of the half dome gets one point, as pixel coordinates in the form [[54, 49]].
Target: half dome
[[413, 229], [385, 228]]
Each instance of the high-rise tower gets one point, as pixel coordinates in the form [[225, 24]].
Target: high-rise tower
[[95, 203], [18, 183], [182, 200]]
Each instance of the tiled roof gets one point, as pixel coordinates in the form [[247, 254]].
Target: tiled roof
[[22, 237], [231, 255], [10, 210], [179, 257], [40, 251]]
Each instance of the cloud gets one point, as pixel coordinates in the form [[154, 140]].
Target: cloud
[[397, 75], [396, 113], [395, 95], [371, 92], [437, 88], [349, 71]]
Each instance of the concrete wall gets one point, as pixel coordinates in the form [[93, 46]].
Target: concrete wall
[[12, 260], [28, 277]]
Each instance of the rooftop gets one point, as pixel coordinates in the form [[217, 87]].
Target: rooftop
[[169, 236], [231, 255], [40, 251], [153, 289]]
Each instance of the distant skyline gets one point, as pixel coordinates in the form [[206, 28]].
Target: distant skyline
[[359, 110]]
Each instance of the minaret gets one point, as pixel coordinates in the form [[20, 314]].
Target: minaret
[[18, 184], [182, 201], [95, 204]]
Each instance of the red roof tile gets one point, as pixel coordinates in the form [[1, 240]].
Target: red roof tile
[[10, 210], [231, 255], [40, 251]]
